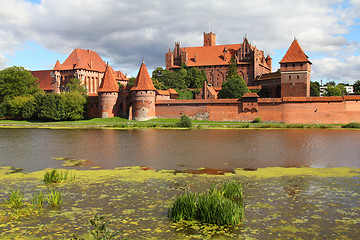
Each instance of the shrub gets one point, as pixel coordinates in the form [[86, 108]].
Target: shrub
[[257, 120], [352, 125], [185, 122], [222, 205]]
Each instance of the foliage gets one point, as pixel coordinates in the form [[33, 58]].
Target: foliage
[[185, 94], [54, 198], [222, 205], [15, 198], [183, 78], [50, 107], [55, 176], [331, 83], [185, 122], [74, 105], [357, 87], [17, 81], [38, 199], [257, 120], [234, 86], [314, 89], [131, 81], [352, 125], [331, 90], [74, 85]]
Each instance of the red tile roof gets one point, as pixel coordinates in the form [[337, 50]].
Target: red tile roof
[[143, 80], [254, 87], [198, 101], [82, 59], [44, 79], [57, 66], [173, 91], [120, 76], [313, 99], [163, 92], [250, 94], [269, 76], [295, 54], [108, 83], [270, 100], [351, 97]]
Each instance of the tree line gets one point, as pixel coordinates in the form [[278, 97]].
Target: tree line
[[22, 98], [333, 89]]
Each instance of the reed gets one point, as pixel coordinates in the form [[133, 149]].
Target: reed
[[222, 205], [54, 198], [37, 199], [15, 198], [55, 176]]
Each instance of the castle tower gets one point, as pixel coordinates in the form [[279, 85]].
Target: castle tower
[[143, 96], [209, 39], [295, 70], [56, 77], [108, 93]]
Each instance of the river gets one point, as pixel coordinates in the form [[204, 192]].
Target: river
[[34, 149]]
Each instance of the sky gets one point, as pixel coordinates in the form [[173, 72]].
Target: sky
[[36, 33]]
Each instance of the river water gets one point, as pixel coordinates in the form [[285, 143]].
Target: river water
[[34, 149]]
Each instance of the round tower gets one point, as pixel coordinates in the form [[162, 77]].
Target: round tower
[[143, 96], [108, 94]]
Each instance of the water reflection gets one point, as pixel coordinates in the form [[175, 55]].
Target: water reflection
[[32, 149]]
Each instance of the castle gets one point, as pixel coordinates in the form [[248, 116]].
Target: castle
[[287, 91]]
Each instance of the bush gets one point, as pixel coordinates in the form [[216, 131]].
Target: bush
[[257, 120], [185, 122], [352, 125], [222, 205], [55, 176]]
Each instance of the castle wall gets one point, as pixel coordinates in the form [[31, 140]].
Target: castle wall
[[108, 104], [143, 105], [274, 110]]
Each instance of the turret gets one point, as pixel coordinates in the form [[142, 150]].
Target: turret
[[143, 96], [209, 39], [108, 93], [295, 70], [56, 77]]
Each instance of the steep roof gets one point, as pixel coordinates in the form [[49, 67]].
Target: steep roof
[[143, 80], [44, 79], [250, 94], [108, 83], [83, 59], [57, 66], [295, 54]]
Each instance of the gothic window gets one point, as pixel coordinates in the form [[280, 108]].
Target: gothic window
[[289, 77]]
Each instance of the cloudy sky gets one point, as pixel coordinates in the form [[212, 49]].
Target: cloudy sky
[[36, 33]]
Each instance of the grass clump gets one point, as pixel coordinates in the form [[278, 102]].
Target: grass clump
[[185, 122], [222, 205], [54, 198], [15, 198], [55, 176], [352, 125], [37, 199]]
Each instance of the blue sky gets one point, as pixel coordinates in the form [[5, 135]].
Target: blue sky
[[35, 33]]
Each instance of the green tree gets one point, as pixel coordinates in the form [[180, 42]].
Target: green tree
[[331, 90], [17, 81], [74, 85], [314, 89], [16, 106], [357, 87], [234, 86], [331, 83], [195, 78], [51, 107], [74, 103]]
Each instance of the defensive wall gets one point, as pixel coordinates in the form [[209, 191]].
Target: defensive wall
[[326, 110]]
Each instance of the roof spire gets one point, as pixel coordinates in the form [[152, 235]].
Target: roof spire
[[143, 80], [108, 83]]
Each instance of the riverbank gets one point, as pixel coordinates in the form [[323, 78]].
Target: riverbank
[[293, 203], [122, 123]]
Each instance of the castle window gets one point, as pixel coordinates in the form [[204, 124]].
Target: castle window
[[285, 65], [301, 64], [289, 77], [297, 76]]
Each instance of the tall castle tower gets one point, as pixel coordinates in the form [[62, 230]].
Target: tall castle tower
[[209, 39], [295, 72], [143, 96], [108, 93]]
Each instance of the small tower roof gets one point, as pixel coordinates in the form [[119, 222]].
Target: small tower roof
[[108, 83], [295, 54], [57, 66], [143, 80]]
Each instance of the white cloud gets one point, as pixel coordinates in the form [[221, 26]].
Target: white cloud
[[128, 31]]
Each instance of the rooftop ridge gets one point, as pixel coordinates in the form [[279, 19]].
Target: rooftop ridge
[[295, 54]]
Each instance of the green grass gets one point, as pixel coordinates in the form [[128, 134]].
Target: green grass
[[54, 198], [352, 125], [37, 199], [222, 205], [15, 198], [56, 176]]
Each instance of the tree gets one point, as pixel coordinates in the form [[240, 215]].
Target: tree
[[331, 90], [17, 81], [74, 85], [51, 107], [234, 86], [74, 103], [331, 83], [357, 87], [314, 89]]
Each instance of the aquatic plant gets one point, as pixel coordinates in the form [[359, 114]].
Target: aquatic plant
[[54, 198], [15, 198], [37, 199], [222, 205], [99, 229], [55, 176]]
